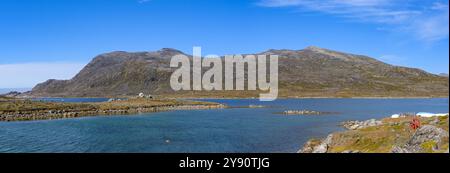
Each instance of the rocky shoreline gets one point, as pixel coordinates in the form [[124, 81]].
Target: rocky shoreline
[[50, 111], [355, 125], [304, 112], [390, 135]]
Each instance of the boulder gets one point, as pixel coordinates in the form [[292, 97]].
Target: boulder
[[324, 146], [308, 147], [351, 151], [424, 134], [355, 125], [428, 133], [317, 147]]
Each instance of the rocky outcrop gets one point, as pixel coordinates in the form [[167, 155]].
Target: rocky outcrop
[[317, 147], [425, 138], [323, 146], [355, 125], [391, 135], [11, 94], [351, 151], [302, 112]]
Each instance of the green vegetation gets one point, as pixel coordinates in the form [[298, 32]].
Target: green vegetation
[[428, 146], [382, 139]]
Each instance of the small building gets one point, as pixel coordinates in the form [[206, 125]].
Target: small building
[[142, 95]]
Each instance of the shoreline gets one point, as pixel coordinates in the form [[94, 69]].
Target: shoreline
[[229, 98], [244, 98], [13, 117], [387, 135], [39, 110], [52, 110]]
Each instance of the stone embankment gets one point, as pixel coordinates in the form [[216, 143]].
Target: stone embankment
[[93, 110], [302, 112]]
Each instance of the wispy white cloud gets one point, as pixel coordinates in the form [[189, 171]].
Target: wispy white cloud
[[323, 3], [29, 74], [433, 26], [426, 20]]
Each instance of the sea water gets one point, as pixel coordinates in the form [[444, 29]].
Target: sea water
[[234, 130]]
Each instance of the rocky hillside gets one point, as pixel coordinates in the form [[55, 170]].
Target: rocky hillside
[[311, 72], [386, 136]]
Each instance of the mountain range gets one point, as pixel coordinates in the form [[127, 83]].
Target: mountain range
[[310, 72]]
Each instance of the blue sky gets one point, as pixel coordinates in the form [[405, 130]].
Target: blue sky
[[41, 39]]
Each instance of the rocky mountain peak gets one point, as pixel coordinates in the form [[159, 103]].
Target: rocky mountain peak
[[321, 50], [170, 51], [279, 52], [315, 48], [333, 54]]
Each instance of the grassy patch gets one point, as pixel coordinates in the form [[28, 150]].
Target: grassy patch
[[428, 146], [381, 139]]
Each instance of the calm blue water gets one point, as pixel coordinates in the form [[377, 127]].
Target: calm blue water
[[227, 130]]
